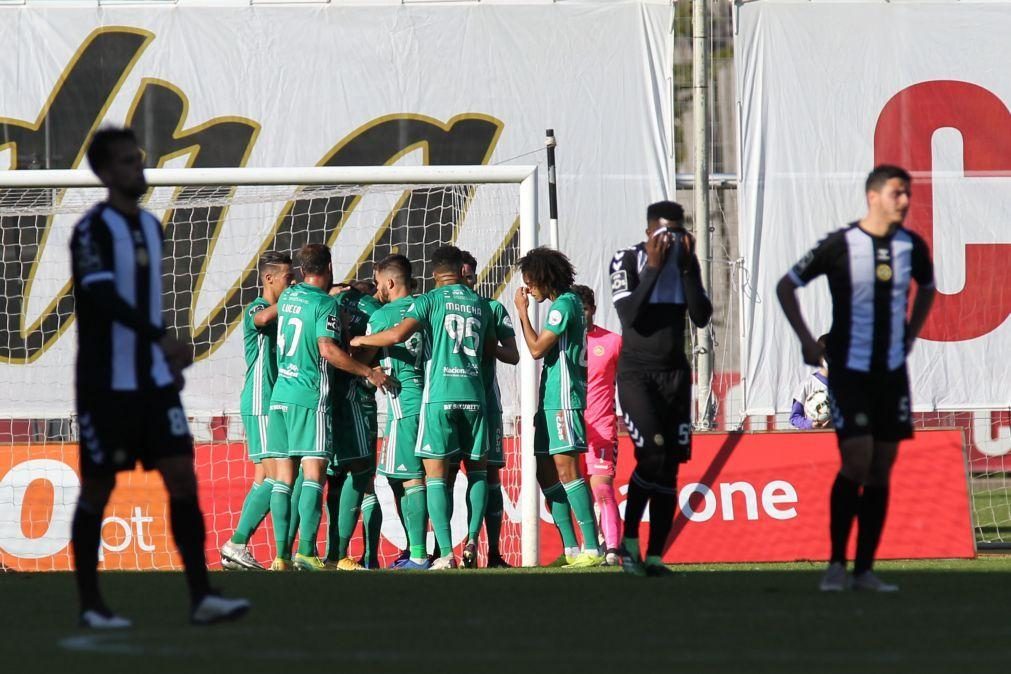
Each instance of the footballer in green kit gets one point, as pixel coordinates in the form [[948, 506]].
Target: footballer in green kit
[[299, 431], [259, 335], [397, 460], [455, 331], [559, 433], [352, 472], [505, 351]]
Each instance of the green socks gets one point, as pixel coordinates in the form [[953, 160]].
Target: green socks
[[280, 513], [254, 510], [335, 485], [296, 498], [352, 495], [654, 560], [632, 546], [559, 506], [372, 522], [413, 505], [438, 511], [310, 511], [450, 481], [582, 507], [477, 502], [493, 516]]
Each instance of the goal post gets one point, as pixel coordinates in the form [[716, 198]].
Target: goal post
[[217, 221]]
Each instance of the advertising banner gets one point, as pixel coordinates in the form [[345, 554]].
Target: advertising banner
[[298, 86], [827, 90], [748, 497]]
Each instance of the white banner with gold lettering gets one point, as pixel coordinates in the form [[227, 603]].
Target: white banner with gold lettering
[[301, 86]]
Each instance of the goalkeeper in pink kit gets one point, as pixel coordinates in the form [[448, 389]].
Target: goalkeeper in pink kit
[[602, 349]]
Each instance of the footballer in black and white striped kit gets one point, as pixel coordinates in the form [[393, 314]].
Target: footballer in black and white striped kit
[[870, 265], [128, 378]]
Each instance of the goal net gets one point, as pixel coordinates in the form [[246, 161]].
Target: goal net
[[216, 224]]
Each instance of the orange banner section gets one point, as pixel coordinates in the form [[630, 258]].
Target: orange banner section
[[39, 486]]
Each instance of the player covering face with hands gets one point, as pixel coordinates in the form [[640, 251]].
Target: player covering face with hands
[[655, 286], [559, 429]]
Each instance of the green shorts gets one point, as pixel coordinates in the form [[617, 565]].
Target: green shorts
[[559, 432], [397, 458], [256, 435], [355, 434], [493, 426], [450, 430], [294, 431]]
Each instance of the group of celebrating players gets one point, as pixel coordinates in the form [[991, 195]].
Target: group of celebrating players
[[313, 368], [317, 353], [309, 397]]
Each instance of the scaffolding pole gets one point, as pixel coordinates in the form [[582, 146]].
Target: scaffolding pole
[[703, 231]]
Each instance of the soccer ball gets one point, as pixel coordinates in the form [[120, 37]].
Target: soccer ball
[[816, 407]]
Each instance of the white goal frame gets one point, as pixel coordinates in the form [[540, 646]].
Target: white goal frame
[[525, 176]]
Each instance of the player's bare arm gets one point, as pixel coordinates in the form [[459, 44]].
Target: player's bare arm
[[365, 354], [490, 348], [507, 352], [398, 334], [341, 360], [786, 291], [265, 316], [922, 302], [538, 345]]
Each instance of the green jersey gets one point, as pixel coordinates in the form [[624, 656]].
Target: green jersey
[[563, 377], [304, 314], [501, 329], [403, 361], [357, 308], [455, 323], [261, 360]]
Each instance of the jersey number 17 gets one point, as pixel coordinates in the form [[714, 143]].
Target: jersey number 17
[[296, 325]]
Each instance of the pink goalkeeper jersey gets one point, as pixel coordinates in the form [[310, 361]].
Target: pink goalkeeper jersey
[[602, 348]]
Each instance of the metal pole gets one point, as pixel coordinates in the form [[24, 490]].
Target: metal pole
[[530, 493], [550, 143], [700, 119]]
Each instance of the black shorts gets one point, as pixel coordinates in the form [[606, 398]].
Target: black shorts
[[657, 407], [870, 403], [118, 429]]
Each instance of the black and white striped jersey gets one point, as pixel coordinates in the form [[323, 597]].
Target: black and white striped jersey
[[117, 265], [869, 280]]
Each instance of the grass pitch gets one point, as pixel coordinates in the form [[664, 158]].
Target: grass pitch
[[950, 616]]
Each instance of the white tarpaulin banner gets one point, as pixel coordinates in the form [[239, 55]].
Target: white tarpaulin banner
[[302, 86], [828, 90]]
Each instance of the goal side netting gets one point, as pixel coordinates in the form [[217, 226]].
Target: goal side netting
[[217, 222]]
